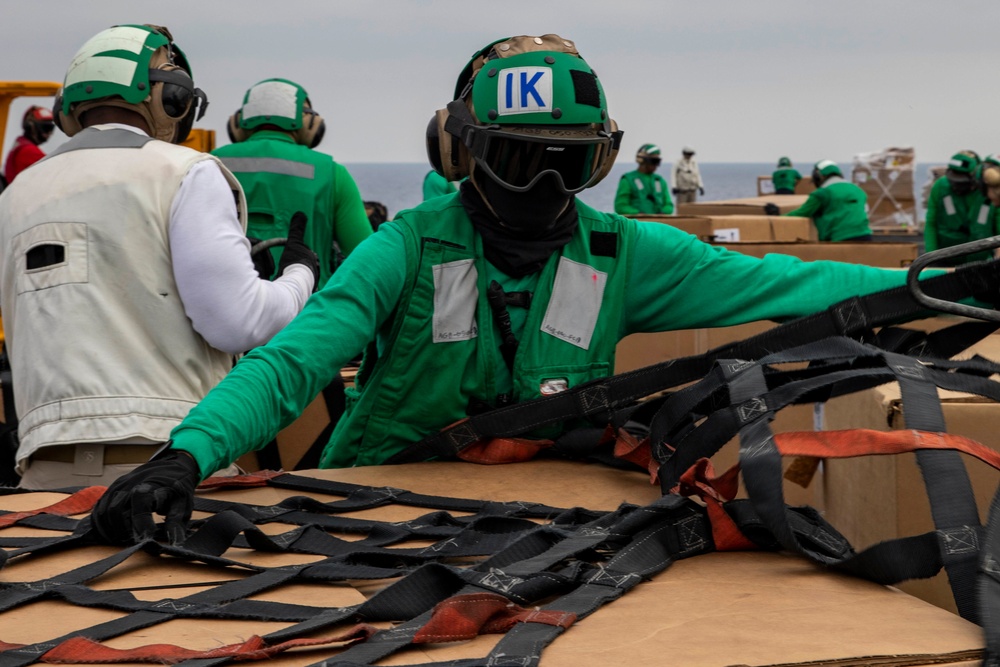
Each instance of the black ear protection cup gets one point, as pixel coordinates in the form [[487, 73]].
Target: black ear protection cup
[[432, 143], [174, 98]]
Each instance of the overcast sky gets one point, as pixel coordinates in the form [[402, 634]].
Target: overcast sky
[[739, 80]]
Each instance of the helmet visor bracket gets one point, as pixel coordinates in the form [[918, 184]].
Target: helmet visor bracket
[[518, 161]]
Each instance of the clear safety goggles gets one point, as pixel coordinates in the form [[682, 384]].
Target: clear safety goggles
[[517, 161]]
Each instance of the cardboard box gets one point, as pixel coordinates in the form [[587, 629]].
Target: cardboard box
[[890, 255], [749, 206], [890, 213], [887, 178], [752, 608], [877, 498], [740, 228]]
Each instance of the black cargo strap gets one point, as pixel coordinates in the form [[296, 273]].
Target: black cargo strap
[[576, 562], [989, 585], [853, 317], [754, 395]]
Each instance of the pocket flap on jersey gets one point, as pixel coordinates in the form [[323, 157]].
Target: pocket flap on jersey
[[51, 254]]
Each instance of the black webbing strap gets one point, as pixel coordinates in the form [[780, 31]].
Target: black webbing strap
[[852, 367], [953, 505], [573, 563], [526, 562], [853, 317], [752, 403], [989, 585]]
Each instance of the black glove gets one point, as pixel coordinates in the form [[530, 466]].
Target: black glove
[[701, 191], [263, 261], [771, 209], [165, 485], [296, 251]]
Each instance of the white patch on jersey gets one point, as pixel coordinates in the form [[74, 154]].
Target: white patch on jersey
[[949, 205], [984, 214], [456, 295], [576, 300], [524, 90]]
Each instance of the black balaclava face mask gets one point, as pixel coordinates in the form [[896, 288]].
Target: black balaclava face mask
[[530, 214], [961, 184], [520, 230]]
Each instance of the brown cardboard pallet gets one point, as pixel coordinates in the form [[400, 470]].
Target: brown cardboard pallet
[[713, 610]]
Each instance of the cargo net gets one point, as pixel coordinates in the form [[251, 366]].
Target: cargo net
[[529, 571], [887, 178]]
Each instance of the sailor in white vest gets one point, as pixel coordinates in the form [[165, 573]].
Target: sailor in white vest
[[126, 281], [687, 178]]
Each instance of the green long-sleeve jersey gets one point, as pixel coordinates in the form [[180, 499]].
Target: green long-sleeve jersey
[[676, 282], [281, 177], [953, 219], [643, 193], [785, 179], [838, 209]]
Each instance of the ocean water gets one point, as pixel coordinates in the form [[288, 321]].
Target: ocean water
[[398, 185]]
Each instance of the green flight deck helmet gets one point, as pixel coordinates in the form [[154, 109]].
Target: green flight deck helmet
[[648, 153], [784, 163], [526, 107], [823, 170], [136, 67], [280, 103]]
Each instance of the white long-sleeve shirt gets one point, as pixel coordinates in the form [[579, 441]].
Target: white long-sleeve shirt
[[229, 305], [227, 302]]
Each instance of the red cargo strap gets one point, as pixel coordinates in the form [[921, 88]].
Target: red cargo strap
[[77, 503], [700, 480], [247, 481], [631, 449], [859, 442], [503, 450], [463, 617], [80, 650]]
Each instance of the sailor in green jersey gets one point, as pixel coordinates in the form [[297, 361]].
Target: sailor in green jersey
[[436, 185], [274, 133], [571, 282], [838, 208], [785, 177], [643, 190], [958, 210]]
